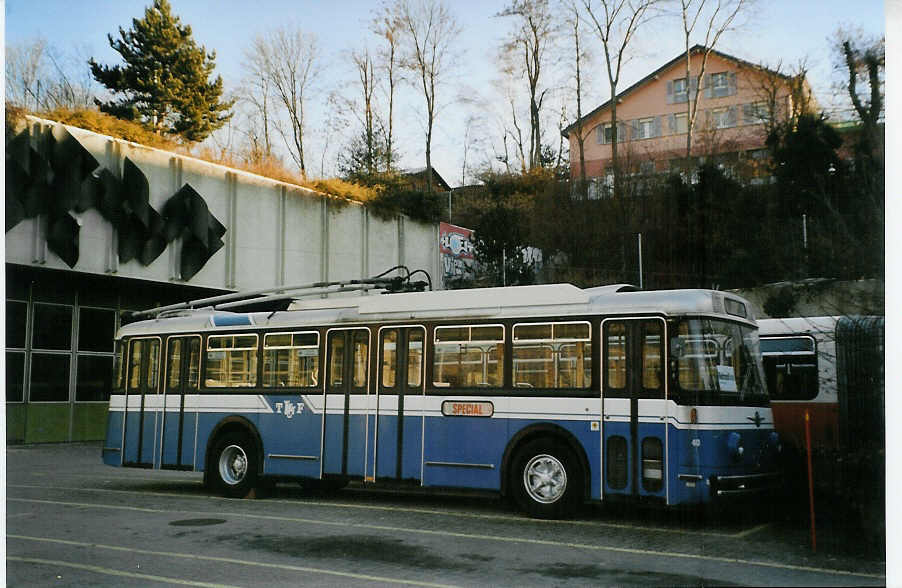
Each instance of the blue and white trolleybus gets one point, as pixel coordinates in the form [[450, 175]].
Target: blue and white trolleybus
[[549, 394]]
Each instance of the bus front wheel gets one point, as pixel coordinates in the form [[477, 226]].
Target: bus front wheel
[[234, 465], [546, 479]]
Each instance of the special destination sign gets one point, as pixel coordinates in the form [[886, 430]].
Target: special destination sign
[[468, 408]]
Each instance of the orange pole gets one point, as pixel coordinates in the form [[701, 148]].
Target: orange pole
[[810, 481]]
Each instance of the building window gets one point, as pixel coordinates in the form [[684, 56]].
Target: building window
[[722, 118], [679, 90], [49, 377], [755, 113], [15, 376], [95, 378], [720, 83], [646, 128], [52, 327], [679, 124], [604, 134], [96, 329], [16, 315]]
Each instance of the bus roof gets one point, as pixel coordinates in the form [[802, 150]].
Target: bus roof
[[797, 325], [549, 300]]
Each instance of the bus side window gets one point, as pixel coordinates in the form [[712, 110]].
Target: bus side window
[[552, 355], [389, 357], [468, 357], [790, 367], [361, 343], [652, 359], [231, 361]]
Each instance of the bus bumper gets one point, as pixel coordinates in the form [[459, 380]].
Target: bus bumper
[[723, 487]]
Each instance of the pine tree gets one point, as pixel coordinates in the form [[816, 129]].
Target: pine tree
[[165, 80]]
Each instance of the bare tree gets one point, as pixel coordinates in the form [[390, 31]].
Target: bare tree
[[288, 59], [528, 44], [574, 20], [41, 77], [25, 68], [429, 30], [388, 28], [256, 93], [511, 126], [363, 65], [717, 18], [863, 61], [616, 24], [783, 93]]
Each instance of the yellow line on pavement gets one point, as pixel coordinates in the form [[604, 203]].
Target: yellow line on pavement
[[112, 572], [496, 538], [228, 560]]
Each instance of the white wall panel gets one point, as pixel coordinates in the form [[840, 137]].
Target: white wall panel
[[275, 234]]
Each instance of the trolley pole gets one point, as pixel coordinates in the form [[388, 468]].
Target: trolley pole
[[810, 481]]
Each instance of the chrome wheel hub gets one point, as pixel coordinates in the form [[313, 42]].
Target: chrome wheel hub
[[545, 479], [233, 465]]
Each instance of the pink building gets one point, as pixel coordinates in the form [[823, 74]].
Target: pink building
[[737, 102]]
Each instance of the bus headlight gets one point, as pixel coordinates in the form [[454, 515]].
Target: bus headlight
[[734, 445], [774, 440]]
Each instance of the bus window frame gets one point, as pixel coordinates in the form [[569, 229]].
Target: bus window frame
[[441, 390], [200, 352], [319, 358], [556, 344], [233, 389], [326, 368], [128, 391], [814, 353]]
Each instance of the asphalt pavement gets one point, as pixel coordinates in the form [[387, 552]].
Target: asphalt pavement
[[71, 521]]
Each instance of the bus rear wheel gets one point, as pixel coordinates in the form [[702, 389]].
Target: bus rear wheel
[[234, 465], [546, 479]]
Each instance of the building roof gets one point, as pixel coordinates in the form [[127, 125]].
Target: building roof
[[421, 172], [655, 74]]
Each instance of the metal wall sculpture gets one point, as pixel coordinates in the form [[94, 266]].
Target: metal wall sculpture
[[62, 176]]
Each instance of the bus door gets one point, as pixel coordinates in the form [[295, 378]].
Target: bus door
[[398, 445], [179, 424], [142, 402], [344, 417], [634, 406]]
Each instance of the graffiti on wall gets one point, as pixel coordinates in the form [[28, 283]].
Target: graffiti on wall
[[456, 248], [62, 176]]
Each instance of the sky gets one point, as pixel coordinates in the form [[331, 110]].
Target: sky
[[774, 31]]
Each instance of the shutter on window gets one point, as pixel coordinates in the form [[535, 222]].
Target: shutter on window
[[671, 123], [657, 131], [622, 132], [732, 116], [670, 92], [709, 89], [635, 129], [599, 134], [732, 82], [747, 114], [693, 88]]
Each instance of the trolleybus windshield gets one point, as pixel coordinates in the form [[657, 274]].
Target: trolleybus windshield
[[717, 362]]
